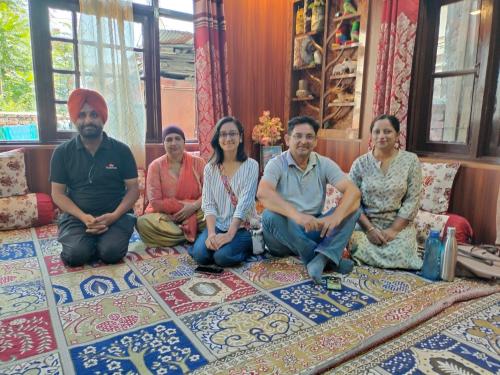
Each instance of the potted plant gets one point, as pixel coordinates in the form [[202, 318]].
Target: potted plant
[[267, 133]]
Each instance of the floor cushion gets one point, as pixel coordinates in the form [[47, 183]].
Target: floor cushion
[[12, 173], [24, 211], [437, 183]]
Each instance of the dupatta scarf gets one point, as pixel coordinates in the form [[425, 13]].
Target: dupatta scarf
[[161, 184]]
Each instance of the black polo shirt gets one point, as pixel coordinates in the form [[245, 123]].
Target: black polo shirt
[[94, 183]]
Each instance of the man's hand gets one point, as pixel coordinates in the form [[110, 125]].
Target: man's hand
[[222, 238], [88, 220], [329, 223], [93, 225], [107, 219], [309, 222], [184, 213], [210, 242], [102, 223]]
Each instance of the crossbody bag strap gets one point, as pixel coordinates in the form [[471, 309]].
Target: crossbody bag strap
[[227, 186], [232, 196]]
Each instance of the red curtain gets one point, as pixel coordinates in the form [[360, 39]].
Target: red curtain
[[394, 61], [212, 90]]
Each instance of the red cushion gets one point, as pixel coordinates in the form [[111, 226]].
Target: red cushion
[[45, 208], [464, 232]]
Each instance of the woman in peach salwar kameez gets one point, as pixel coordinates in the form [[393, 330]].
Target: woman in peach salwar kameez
[[173, 187]]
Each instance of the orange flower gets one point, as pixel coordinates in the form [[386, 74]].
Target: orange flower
[[268, 131]]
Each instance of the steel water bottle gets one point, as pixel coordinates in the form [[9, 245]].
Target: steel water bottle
[[449, 261]]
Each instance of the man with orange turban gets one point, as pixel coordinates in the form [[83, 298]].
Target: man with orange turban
[[94, 183]]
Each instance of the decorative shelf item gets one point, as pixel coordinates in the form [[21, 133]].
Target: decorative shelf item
[[336, 47], [313, 66], [310, 33], [302, 99], [347, 17], [340, 104], [343, 76]]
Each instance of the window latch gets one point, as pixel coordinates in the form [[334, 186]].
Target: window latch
[[476, 69]]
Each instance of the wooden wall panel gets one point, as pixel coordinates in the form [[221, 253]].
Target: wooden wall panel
[[37, 159], [256, 43], [340, 151], [474, 196]]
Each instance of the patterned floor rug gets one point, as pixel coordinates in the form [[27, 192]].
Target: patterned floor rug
[[152, 314], [464, 339]]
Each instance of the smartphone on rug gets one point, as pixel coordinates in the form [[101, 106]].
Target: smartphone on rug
[[207, 269], [333, 283]]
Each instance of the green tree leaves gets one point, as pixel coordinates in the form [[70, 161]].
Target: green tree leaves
[[16, 69]]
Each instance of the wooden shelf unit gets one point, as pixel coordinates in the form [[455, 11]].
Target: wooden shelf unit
[[338, 118]]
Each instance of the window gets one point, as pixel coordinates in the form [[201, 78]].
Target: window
[[164, 53], [18, 117], [454, 94]]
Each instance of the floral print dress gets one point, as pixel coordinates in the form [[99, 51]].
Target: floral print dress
[[383, 197]]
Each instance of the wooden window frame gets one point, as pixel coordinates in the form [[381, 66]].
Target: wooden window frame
[[420, 101], [146, 15]]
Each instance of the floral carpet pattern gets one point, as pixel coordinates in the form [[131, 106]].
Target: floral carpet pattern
[[461, 340], [152, 314]]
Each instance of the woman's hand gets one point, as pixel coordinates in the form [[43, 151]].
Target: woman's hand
[[184, 213], [389, 234], [376, 236], [210, 242]]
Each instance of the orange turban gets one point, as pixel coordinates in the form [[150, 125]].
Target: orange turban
[[79, 97]]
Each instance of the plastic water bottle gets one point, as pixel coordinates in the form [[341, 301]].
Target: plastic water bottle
[[449, 260], [431, 268]]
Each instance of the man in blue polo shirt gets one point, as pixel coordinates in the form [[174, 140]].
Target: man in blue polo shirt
[[94, 183], [293, 191]]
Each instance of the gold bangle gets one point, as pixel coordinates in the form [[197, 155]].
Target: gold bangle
[[371, 229]]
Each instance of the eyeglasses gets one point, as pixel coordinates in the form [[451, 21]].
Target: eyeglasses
[[230, 134], [307, 137]]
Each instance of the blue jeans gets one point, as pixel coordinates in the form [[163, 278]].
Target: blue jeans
[[228, 255], [284, 237]]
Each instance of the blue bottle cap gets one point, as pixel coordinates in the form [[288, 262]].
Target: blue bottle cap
[[434, 233]]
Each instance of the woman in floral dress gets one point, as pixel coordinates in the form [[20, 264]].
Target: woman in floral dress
[[390, 181]]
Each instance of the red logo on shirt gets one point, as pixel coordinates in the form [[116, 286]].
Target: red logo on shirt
[[111, 166]]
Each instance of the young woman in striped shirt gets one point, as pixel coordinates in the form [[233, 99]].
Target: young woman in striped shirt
[[228, 199]]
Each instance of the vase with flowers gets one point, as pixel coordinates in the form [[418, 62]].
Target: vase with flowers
[[267, 133]]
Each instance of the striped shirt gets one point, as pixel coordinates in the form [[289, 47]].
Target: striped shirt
[[215, 198]]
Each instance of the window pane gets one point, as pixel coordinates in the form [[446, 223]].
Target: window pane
[[138, 39], [451, 109], [18, 118], [494, 144], [185, 6], [62, 55], [458, 36], [63, 85], [144, 2], [177, 75], [61, 23], [63, 121], [139, 57]]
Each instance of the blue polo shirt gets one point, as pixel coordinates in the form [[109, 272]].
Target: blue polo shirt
[[96, 184], [304, 189]]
